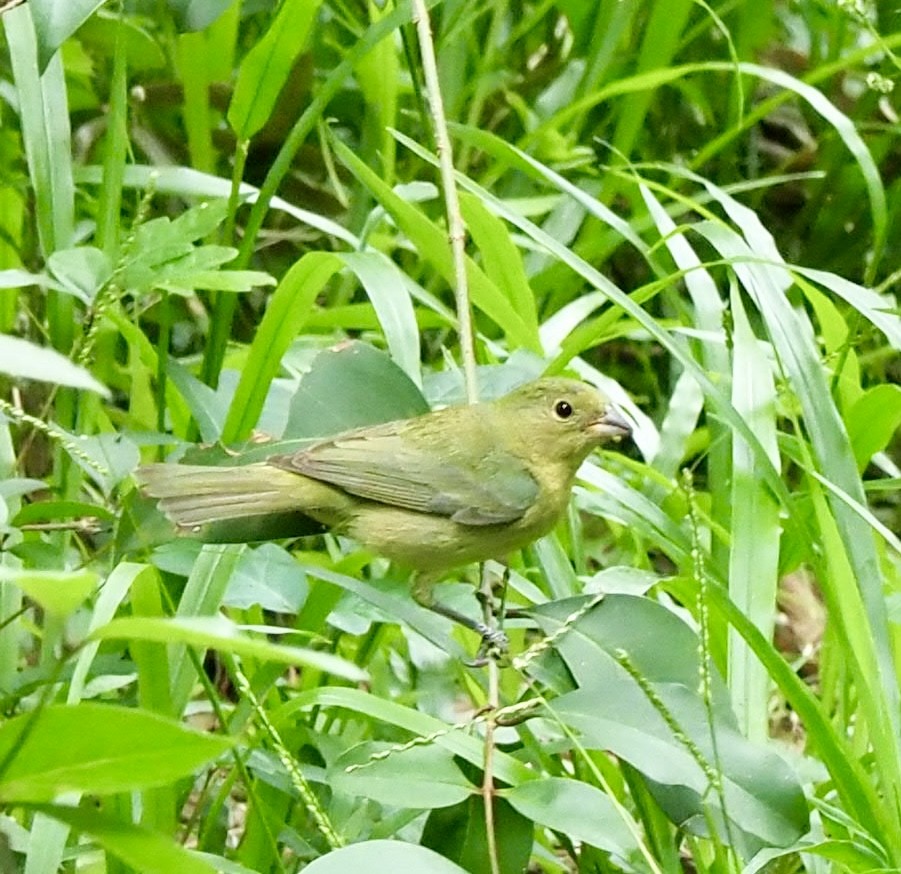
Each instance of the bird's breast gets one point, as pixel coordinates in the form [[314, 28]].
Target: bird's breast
[[431, 542]]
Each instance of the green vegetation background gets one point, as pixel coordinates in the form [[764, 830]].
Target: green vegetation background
[[223, 220]]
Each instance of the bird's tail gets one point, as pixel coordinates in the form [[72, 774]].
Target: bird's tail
[[194, 495]]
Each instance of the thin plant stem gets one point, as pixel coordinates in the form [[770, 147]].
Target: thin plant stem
[[457, 236], [456, 229]]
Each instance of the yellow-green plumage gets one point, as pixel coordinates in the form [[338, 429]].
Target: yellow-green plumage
[[458, 485]]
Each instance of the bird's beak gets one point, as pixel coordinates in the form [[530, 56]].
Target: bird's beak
[[612, 424]]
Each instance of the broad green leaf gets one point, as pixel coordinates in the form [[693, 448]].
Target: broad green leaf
[[350, 386], [763, 799], [269, 577], [267, 66], [419, 777], [17, 278], [387, 290], [50, 510], [82, 271], [96, 748], [24, 360], [873, 421], [58, 592], [55, 22], [106, 458], [288, 309], [383, 857], [578, 810], [217, 632], [17, 486], [507, 768], [208, 406], [139, 848], [459, 833]]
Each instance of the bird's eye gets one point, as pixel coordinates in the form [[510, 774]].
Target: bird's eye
[[563, 409]]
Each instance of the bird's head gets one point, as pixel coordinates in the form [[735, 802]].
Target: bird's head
[[562, 419]]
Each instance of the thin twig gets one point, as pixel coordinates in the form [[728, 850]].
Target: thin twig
[[456, 230], [457, 236], [490, 725]]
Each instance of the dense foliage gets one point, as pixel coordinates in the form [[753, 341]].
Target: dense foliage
[[222, 229]]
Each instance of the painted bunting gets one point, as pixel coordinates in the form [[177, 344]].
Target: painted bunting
[[454, 486]]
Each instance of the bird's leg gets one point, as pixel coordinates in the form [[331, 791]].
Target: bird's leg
[[486, 596], [494, 587], [502, 586], [425, 597]]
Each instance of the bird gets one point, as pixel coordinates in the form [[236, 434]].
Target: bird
[[455, 486]]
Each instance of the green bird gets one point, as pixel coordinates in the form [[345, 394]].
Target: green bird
[[459, 485]]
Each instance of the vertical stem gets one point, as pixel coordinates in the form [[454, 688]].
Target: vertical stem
[[162, 364], [223, 305], [115, 146], [457, 234], [456, 230]]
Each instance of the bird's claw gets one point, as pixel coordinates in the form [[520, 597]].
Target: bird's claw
[[494, 645]]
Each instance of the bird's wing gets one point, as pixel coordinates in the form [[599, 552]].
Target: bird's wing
[[388, 467]]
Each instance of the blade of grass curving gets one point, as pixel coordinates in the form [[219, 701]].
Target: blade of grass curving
[[201, 597], [793, 340], [390, 297], [847, 131], [289, 308], [612, 24], [754, 550], [708, 317], [758, 265], [508, 154], [841, 123], [852, 782], [848, 614], [662, 32], [879, 309], [44, 118], [721, 404], [466, 745], [311, 116], [115, 148], [48, 835], [500, 257], [432, 245], [861, 510]]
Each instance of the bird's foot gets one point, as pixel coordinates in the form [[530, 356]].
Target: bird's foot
[[494, 645]]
